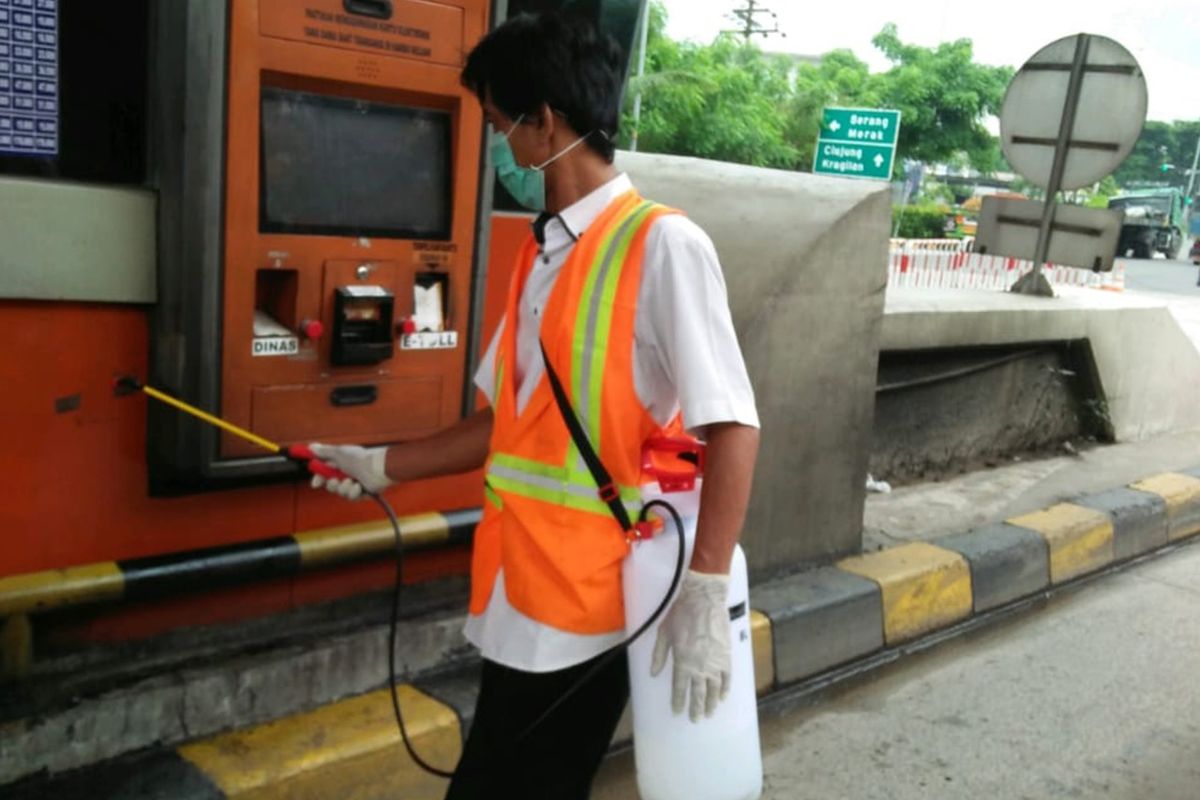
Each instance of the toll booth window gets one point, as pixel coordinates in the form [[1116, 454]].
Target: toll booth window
[[73, 90], [345, 167]]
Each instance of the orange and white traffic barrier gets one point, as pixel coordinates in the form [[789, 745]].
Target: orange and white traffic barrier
[[944, 269]]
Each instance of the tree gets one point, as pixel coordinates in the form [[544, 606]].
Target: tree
[[1098, 195], [839, 79], [730, 101], [723, 101], [1161, 143], [943, 97]]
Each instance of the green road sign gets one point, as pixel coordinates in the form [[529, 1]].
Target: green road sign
[[857, 143]]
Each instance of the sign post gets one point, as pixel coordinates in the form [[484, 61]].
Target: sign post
[[1070, 116], [857, 143]]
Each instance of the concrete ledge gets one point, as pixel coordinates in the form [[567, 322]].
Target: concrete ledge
[[457, 690], [1182, 495], [820, 619], [1080, 539], [924, 587], [1139, 520], [158, 775], [1006, 563], [1150, 378], [349, 749], [174, 707]]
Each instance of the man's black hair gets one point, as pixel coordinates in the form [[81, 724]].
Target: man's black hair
[[562, 61]]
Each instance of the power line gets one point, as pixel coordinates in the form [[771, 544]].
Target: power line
[[748, 21]]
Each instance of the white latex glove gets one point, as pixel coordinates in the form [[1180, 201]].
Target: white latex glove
[[363, 465], [696, 630]]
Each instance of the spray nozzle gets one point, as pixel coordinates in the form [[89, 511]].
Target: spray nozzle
[[125, 385]]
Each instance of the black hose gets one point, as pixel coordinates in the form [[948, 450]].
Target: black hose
[[604, 660], [618, 650], [393, 630]]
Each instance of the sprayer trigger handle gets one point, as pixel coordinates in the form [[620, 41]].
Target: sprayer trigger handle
[[303, 454]]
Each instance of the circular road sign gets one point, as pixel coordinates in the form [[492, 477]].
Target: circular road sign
[[1110, 111]]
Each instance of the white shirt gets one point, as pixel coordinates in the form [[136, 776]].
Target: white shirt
[[685, 359]]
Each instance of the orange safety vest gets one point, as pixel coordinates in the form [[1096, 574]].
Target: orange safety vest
[[543, 522]]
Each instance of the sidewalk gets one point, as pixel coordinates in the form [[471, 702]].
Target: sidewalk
[[924, 511]]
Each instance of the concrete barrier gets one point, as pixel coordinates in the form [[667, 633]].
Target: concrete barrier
[[843, 612], [1181, 493], [924, 587], [1006, 563], [1139, 520], [805, 259], [1080, 539], [1148, 368]]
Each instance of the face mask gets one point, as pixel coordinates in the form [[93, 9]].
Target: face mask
[[527, 185]]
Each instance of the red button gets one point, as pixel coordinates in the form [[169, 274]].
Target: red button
[[312, 329], [408, 326]]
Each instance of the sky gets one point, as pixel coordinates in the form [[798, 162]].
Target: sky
[[1164, 35]]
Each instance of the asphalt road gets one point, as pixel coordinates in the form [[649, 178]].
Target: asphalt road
[[1091, 695], [1161, 276]]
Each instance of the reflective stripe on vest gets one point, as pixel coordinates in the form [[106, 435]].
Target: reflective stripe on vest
[[592, 329], [573, 485], [557, 485]]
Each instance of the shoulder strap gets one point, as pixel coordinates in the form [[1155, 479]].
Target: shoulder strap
[[607, 490]]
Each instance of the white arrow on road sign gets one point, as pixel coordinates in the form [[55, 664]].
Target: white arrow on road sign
[[878, 160], [835, 126]]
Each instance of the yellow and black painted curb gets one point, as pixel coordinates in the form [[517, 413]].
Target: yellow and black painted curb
[[802, 626], [349, 750], [824, 618]]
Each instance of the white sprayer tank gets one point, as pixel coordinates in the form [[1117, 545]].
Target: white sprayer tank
[[717, 758]]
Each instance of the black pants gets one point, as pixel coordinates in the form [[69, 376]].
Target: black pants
[[560, 757]]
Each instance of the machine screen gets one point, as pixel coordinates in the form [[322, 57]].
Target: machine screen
[[346, 167]]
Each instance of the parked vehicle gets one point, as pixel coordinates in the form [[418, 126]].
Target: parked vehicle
[[1154, 222]]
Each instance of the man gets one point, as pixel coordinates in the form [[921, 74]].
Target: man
[[628, 301]]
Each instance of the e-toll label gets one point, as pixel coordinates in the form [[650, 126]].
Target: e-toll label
[[29, 77], [429, 340]]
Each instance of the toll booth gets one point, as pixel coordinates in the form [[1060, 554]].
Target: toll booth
[[316, 256], [293, 193]]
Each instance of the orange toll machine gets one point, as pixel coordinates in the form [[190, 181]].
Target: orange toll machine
[[316, 273]]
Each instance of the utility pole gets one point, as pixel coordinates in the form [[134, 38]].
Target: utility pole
[[1192, 172], [747, 17], [644, 30]]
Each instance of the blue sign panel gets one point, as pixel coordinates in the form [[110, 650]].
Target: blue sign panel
[[29, 77]]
